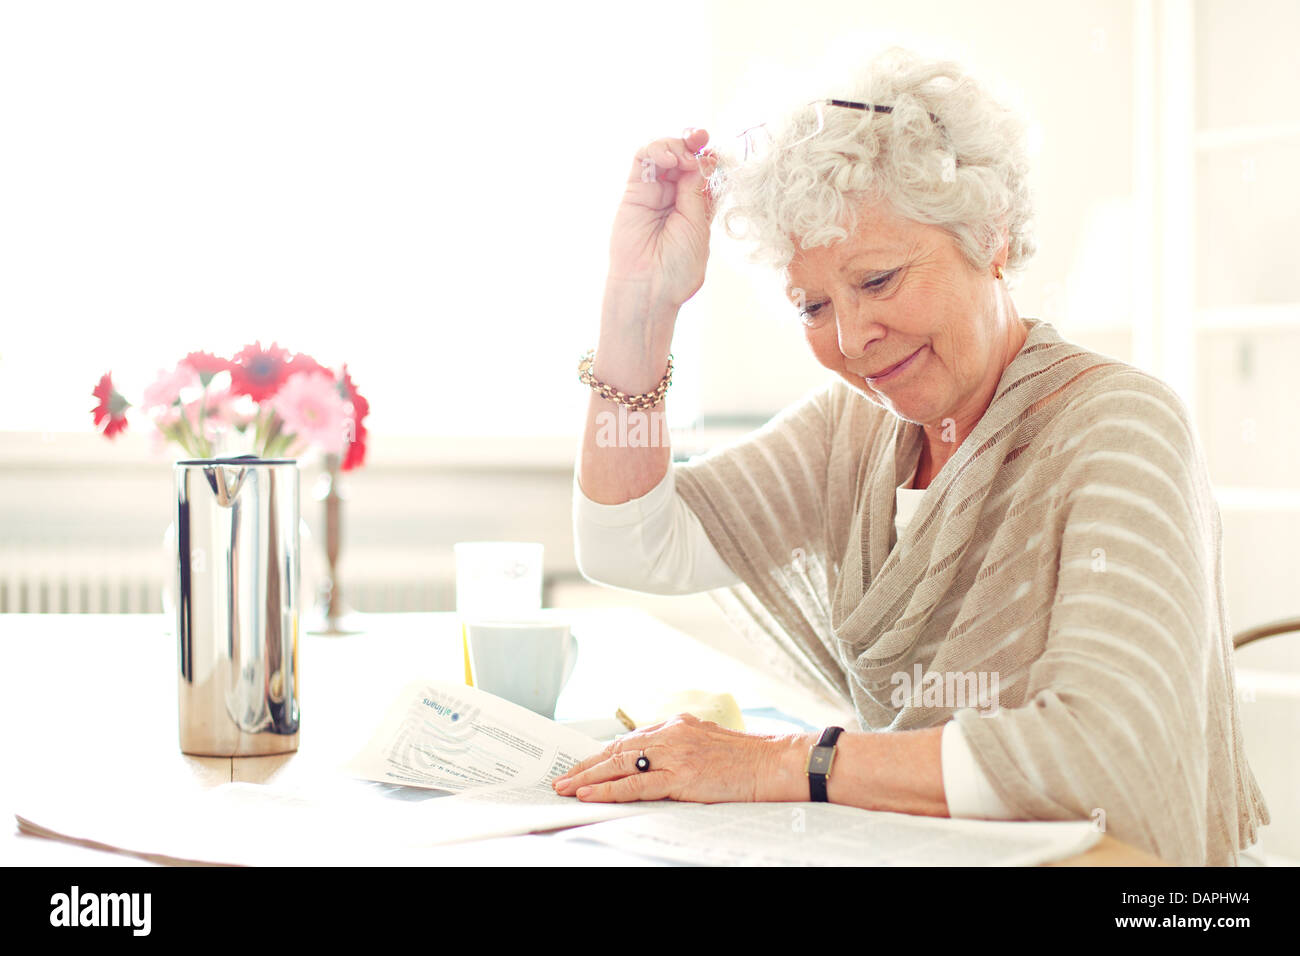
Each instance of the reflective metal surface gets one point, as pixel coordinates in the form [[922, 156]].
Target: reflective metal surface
[[237, 583]]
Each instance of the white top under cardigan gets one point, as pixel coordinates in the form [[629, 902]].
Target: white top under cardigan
[[656, 544]]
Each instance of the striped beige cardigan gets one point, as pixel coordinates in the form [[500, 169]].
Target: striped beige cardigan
[[1070, 551]]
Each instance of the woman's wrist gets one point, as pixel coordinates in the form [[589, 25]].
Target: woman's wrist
[[636, 334], [640, 296], [784, 778]]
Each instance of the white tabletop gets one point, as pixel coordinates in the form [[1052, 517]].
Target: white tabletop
[[88, 705], [89, 702]]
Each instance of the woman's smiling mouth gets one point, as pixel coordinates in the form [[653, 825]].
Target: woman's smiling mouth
[[895, 370]]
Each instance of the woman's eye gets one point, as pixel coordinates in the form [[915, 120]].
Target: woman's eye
[[811, 316], [873, 285]]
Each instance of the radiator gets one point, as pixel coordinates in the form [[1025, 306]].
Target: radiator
[[124, 582], [80, 581]]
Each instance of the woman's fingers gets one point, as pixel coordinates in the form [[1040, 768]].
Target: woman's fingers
[[667, 159], [590, 762], [690, 759], [652, 785], [619, 764], [651, 163], [661, 229], [621, 755], [618, 760], [610, 750]]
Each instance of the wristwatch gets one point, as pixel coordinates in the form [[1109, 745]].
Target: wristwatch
[[820, 759]]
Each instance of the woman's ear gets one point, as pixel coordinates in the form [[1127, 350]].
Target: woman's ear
[[1003, 252]]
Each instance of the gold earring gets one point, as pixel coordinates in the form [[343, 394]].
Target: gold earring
[[997, 271]]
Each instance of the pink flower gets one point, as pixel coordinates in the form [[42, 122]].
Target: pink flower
[[314, 411], [207, 365], [212, 424], [166, 416], [166, 390], [158, 438], [164, 419], [220, 408], [194, 413], [230, 408]]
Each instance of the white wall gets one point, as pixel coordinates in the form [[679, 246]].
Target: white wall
[[1067, 67]]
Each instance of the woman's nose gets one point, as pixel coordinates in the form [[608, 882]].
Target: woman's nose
[[856, 330]]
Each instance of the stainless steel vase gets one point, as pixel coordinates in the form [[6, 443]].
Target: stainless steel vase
[[237, 605]]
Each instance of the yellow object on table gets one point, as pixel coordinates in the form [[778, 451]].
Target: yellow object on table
[[464, 643], [721, 709]]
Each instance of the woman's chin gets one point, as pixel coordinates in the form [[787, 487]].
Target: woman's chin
[[881, 396], [867, 393], [900, 404]]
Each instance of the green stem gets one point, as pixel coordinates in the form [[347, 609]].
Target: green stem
[[189, 441], [260, 420], [282, 446], [167, 433], [173, 433], [277, 423]]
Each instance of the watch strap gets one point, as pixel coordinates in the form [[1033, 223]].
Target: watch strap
[[820, 759]]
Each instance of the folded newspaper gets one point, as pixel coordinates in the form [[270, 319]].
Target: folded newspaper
[[823, 834], [450, 763], [447, 764]]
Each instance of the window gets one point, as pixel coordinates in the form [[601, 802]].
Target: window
[[424, 191]]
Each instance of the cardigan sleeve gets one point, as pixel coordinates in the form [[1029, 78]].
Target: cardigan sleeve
[[775, 477], [763, 502], [1129, 716]]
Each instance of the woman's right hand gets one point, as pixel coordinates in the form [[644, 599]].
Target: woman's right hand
[[661, 230]]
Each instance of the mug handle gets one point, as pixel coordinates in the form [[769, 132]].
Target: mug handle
[[570, 659]]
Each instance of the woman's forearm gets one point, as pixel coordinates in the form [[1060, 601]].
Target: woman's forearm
[[901, 772], [625, 453]]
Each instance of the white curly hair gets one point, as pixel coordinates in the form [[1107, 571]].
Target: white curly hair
[[947, 155]]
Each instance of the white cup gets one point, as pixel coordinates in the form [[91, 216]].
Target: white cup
[[527, 662]]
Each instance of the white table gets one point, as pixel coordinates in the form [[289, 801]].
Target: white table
[[89, 701]]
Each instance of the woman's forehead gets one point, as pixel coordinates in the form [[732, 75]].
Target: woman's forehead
[[878, 232], [866, 248]]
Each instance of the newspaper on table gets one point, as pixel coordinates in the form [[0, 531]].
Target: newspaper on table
[[489, 753], [824, 834], [482, 765], [445, 736]]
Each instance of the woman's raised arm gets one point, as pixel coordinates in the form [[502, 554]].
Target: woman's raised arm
[[658, 252]]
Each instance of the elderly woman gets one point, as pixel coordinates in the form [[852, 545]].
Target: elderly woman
[[971, 502]]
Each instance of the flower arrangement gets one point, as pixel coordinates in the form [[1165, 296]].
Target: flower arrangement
[[266, 401]]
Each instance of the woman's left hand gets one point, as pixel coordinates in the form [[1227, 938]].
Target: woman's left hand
[[690, 759]]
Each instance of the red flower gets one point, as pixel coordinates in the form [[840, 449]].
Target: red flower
[[207, 365], [258, 372], [356, 453], [110, 413], [349, 390], [302, 362]]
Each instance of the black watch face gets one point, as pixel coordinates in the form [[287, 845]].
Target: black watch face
[[819, 761]]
